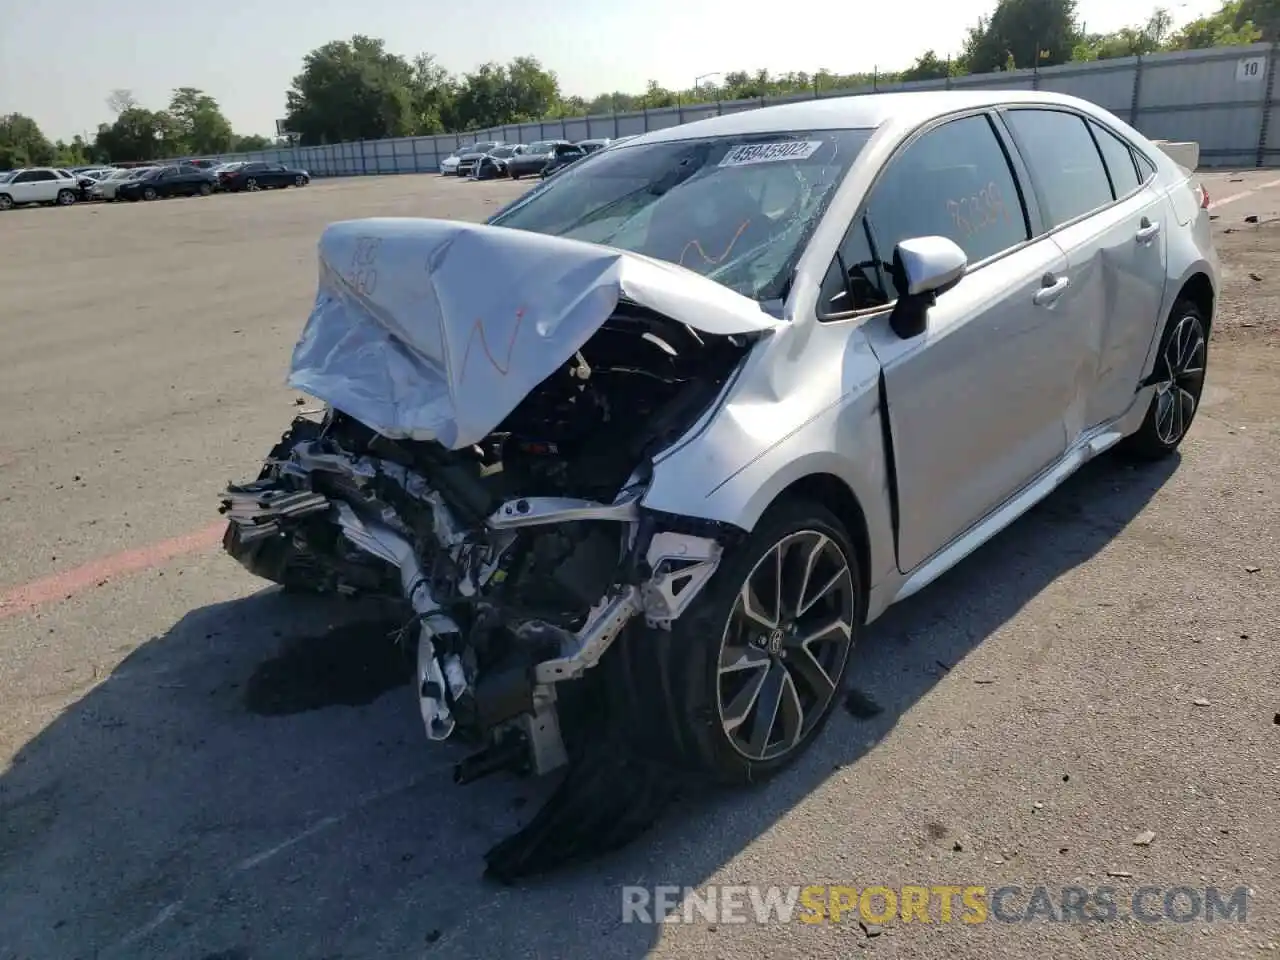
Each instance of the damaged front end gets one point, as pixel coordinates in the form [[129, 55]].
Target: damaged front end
[[509, 518]]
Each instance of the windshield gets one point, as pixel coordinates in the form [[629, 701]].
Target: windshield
[[736, 209], [504, 152], [6, 177]]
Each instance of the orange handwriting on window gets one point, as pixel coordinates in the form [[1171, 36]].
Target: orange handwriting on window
[[707, 259]]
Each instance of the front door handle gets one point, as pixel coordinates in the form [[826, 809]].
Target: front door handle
[[1147, 231], [1053, 287]]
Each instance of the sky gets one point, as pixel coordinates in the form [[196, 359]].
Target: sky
[[245, 54]]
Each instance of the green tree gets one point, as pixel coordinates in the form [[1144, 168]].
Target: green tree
[[22, 144], [137, 134], [199, 126], [1152, 37], [1231, 26], [250, 143], [928, 67], [1022, 33], [352, 90]]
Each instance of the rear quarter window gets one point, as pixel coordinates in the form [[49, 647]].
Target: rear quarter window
[[1119, 159]]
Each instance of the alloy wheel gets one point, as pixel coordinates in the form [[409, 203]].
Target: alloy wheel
[[5, 203], [784, 647], [1178, 395], [299, 180], [252, 184]]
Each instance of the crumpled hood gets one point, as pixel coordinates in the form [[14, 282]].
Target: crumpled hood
[[437, 329]]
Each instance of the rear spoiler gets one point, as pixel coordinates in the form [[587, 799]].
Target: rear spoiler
[[1185, 153]]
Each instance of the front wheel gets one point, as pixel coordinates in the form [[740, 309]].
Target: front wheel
[[6, 202], [299, 181], [1179, 382], [205, 189], [514, 175], [149, 194], [748, 676], [66, 198]]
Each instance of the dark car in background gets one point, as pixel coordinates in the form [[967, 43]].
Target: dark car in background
[[261, 175], [563, 155], [496, 163], [176, 180], [468, 157], [534, 158]]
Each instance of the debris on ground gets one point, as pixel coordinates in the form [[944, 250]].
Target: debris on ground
[[1252, 569], [871, 929], [1119, 874], [1144, 838], [860, 705], [1201, 702], [1256, 277], [1251, 218]]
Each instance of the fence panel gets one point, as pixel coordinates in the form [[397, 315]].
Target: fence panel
[[1224, 98]]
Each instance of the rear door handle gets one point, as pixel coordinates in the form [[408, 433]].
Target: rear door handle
[[1147, 232], [1052, 288]]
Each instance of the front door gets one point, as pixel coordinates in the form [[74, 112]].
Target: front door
[[975, 403]]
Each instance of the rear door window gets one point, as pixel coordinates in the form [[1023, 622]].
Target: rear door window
[[1065, 163], [1119, 159], [954, 181]]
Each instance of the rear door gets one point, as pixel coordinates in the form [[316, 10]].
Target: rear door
[[975, 402], [1112, 227]]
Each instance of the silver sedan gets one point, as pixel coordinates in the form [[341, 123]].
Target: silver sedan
[[717, 397]]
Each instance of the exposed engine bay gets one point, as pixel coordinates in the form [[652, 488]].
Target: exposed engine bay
[[522, 556]]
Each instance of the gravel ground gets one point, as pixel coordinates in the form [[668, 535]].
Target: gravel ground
[[196, 767]]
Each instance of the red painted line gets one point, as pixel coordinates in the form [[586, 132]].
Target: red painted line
[[62, 586]]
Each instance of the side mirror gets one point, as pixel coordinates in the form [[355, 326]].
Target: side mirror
[[923, 267]]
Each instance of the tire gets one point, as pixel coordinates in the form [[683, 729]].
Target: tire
[[205, 189], [149, 193], [299, 181], [252, 185], [66, 198], [514, 175], [680, 704], [6, 202], [1179, 376]]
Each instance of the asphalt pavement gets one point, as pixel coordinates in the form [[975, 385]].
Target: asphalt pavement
[[194, 766]]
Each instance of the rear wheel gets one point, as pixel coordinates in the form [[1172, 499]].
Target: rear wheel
[[252, 184], [1180, 369], [746, 679]]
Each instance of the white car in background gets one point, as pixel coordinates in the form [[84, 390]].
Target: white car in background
[[449, 165], [38, 185], [106, 189]]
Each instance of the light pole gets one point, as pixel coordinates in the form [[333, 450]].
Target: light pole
[[699, 79]]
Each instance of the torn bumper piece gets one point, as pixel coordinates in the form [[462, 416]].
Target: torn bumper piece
[[293, 513]]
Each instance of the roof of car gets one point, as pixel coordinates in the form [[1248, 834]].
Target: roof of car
[[859, 111]]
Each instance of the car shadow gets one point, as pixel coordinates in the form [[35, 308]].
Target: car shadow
[[255, 782]]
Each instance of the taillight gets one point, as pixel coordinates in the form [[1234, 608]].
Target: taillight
[[1204, 196]]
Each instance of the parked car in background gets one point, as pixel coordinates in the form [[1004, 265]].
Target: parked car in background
[[174, 180], [598, 143], [493, 165], [38, 185], [468, 158], [261, 175], [449, 165], [203, 164], [561, 156], [105, 189], [533, 158]]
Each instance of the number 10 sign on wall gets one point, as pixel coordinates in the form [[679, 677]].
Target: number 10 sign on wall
[[1250, 69]]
